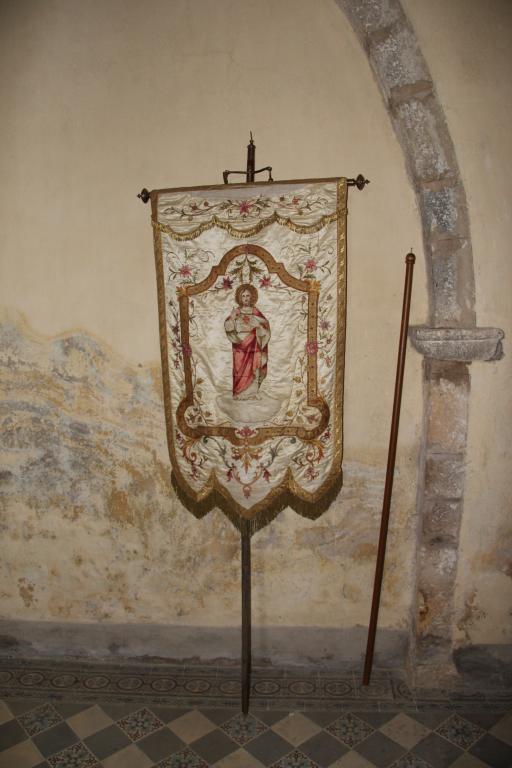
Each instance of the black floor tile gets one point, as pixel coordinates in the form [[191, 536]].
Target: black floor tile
[[218, 716], [214, 746], [20, 706], [11, 733], [432, 718], [160, 744], [55, 739], [271, 716], [268, 747], [70, 708], [484, 718], [107, 741], [168, 714], [117, 710], [380, 750], [492, 751], [323, 748], [375, 719], [437, 751]]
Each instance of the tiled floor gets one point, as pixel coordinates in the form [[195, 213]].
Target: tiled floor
[[77, 716], [86, 735]]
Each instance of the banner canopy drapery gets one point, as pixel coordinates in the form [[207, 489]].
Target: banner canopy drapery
[[251, 291]]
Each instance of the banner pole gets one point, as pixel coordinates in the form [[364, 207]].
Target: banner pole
[[246, 530], [388, 488], [246, 614]]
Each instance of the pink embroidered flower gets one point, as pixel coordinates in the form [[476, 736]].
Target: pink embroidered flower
[[295, 200], [311, 473], [266, 474], [326, 435], [246, 432], [247, 491], [227, 283], [311, 347], [185, 271], [245, 206], [187, 350], [325, 325], [310, 265], [328, 360], [229, 474], [265, 282]]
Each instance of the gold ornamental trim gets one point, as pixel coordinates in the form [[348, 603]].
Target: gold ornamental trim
[[275, 218]]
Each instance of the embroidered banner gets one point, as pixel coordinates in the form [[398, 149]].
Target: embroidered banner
[[251, 291]]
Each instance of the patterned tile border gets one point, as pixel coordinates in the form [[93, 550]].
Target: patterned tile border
[[219, 686]]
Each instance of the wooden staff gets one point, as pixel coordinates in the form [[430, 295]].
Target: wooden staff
[[388, 488], [246, 615]]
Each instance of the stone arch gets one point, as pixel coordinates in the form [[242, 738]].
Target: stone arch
[[451, 340]]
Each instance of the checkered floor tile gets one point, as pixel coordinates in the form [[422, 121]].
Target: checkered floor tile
[[35, 734]]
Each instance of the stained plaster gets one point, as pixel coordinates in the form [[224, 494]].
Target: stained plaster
[[87, 503]]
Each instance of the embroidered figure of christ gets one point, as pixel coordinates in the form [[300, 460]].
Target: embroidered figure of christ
[[248, 330]]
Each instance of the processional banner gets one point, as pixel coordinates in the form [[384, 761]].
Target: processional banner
[[251, 291]]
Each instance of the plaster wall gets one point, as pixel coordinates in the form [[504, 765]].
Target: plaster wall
[[467, 46], [102, 99]]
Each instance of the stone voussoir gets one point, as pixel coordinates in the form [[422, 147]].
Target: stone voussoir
[[441, 522], [396, 58], [444, 476], [423, 130]]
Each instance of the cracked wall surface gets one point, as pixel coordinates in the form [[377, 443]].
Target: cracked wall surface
[[94, 533]]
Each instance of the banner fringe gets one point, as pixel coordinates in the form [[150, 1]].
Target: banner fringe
[[310, 510]]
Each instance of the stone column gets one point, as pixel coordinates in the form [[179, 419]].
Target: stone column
[[451, 339]]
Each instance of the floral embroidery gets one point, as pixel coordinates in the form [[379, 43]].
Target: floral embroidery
[[183, 268], [255, 207], [191, 454]]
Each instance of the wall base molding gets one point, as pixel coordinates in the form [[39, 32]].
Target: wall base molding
[[287, 646]]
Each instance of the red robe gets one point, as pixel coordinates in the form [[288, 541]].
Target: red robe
[[249, 360]]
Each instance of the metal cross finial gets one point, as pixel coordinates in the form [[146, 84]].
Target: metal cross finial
[[250, 173]]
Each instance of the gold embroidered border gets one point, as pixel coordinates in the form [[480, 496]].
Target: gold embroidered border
[[288, 492], [275, 218]]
